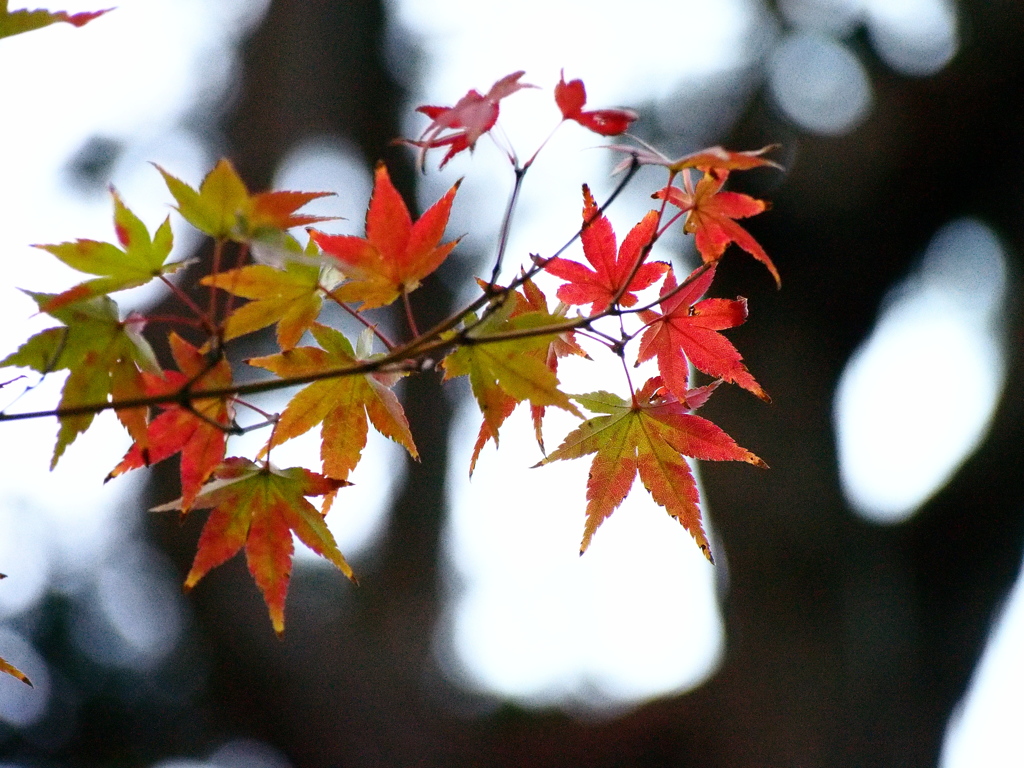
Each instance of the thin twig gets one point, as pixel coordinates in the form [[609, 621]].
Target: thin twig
[[506, 224]]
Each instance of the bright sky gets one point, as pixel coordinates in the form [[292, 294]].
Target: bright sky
[[529, 619]]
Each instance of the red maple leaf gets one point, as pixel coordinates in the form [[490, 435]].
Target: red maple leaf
[[688, 330], [710, 217], [396, 253], [197, 430], [258, 507], [649, 436], [599, 286], [471, 117], [570, 98]]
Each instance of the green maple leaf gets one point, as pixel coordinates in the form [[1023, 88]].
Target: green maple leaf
[[258, 507], [16, 22], [503, 373], [649, 436], [532, 299], [223, 208], [103, 354], [342, 405], [142, 259]]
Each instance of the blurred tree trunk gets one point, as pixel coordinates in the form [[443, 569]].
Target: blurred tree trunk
[[848, 644]]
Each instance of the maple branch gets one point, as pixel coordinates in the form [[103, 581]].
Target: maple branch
[[400, 360], [506, 222], [239, 430]]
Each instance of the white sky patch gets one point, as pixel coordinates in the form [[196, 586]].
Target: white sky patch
[[819, 83], [985, 729], [914, 37], [634, 617], [21, 706], [916, 398], [624, 53]]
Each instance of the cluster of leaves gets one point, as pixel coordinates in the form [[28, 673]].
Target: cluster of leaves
[[15, 23], [508, 341]]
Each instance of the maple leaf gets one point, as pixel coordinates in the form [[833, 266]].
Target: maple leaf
[[532, 299], [599, 286], [258, 507], [570, 98], [290, 296], [396, 253], [141, 260], [103, 354], [688, 330], [504, 373], [649, 436], [8, 668], [196, 429], [16, 22], [710, 217], [223, 208], [471, 117], [340, 404], [711, 159]]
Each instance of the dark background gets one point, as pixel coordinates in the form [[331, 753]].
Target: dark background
[[848, 644]]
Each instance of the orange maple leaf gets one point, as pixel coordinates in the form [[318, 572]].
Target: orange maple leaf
[[710, 217], [259, 507], [197, 430], [688, 332], [710, 159], [290, 295], [341, 404], [598, 286], [396, 253], [7, 668], [649, 436]]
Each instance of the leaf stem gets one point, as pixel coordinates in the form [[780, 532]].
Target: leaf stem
[[409, 317], [185, 299], [358, 316]]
